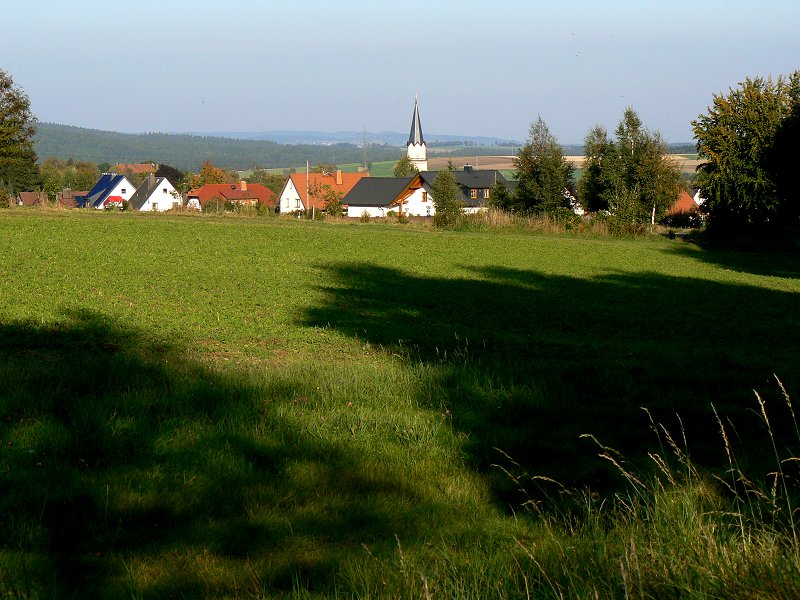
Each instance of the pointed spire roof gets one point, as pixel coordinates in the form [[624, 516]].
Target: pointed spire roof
[[415, 137]]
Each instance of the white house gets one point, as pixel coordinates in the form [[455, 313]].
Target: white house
[[155, 194], [306, 191], [110, 189], [378, 196]]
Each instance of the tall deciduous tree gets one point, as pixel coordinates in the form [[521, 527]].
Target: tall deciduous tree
[[749, 140], [593, 188], [632, 176], [18, 168], [543, 172], [405, 167], [209, 174]]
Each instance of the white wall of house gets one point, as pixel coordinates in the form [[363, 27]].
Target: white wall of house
[[289, 199], [418, 204], [124, 189], [355, 212], [164, 197]]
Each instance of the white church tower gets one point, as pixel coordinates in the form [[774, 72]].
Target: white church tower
[[415, 148]]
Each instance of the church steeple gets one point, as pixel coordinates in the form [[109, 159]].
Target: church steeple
[[415, 148]]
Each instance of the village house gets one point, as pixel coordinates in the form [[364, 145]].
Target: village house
[[155, 194], [412, 196], [303, 191], [110, 190], [241, 193]]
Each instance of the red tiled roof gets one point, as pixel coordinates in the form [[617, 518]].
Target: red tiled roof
[[684, 204], [134, 168], [338, 182], [32, 198], [234, 192], [67, 197]]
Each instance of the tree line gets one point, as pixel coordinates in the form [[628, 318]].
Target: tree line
[[749, 142]]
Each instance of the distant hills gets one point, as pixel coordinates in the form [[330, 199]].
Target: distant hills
[[232, 150], [388, 138], [268, 149]]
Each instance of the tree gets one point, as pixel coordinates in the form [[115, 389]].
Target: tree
[[209, 174], [632, 176], [405, 167], [18, 168], [57, 174], [173, 175], [499, 196], [748, 139], [272, 181], [593, 188], [446, 200], [543, 172]]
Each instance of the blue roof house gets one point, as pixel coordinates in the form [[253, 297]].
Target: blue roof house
[[109, 189]]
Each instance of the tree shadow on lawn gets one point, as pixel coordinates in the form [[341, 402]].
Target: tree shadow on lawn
[[116, 451], [526, 362], [775, 259]]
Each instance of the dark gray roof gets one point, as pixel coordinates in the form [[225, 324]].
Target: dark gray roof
[[376, 191], [144, 191], [469, 180], [415, 137]]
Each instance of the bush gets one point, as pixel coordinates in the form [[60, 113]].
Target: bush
[[364, 217], [5, 199]]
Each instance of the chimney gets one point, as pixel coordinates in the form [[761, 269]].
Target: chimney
[[468, 168], [243, 185], [338, 177]]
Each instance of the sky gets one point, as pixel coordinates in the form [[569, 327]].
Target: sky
[[479, 68]]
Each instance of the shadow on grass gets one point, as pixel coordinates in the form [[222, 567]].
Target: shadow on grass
[[776, 258], [528, 361], [116, 452]]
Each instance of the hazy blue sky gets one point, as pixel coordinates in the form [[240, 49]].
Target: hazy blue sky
[[480, 68]]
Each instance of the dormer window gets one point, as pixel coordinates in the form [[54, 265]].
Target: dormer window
[[473, 194]]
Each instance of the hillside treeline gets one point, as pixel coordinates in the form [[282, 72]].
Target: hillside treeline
[[189, 152]]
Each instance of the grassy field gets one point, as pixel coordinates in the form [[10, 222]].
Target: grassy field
[[239, 407]]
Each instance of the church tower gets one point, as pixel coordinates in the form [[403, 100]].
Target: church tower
[[415, 148]]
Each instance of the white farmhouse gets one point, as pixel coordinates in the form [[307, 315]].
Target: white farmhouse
[[110, 189], [156, 194]]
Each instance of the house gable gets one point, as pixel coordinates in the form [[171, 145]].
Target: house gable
[[297, 188]]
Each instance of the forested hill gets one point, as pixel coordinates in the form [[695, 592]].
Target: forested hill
[[188, 152]]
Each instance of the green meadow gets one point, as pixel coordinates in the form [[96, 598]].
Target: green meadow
[[232, 407]]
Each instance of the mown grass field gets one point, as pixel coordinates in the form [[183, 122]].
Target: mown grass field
[[240, 407]]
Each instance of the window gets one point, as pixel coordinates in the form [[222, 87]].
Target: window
[[164, 191], [122, 191], [155, 205], [473, 194], [425, 197], [485, 194], [297, 203]]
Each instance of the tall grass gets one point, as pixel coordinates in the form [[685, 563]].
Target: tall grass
[[682, 532]]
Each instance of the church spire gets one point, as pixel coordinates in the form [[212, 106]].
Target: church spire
[[415, 148], [415, 137]]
